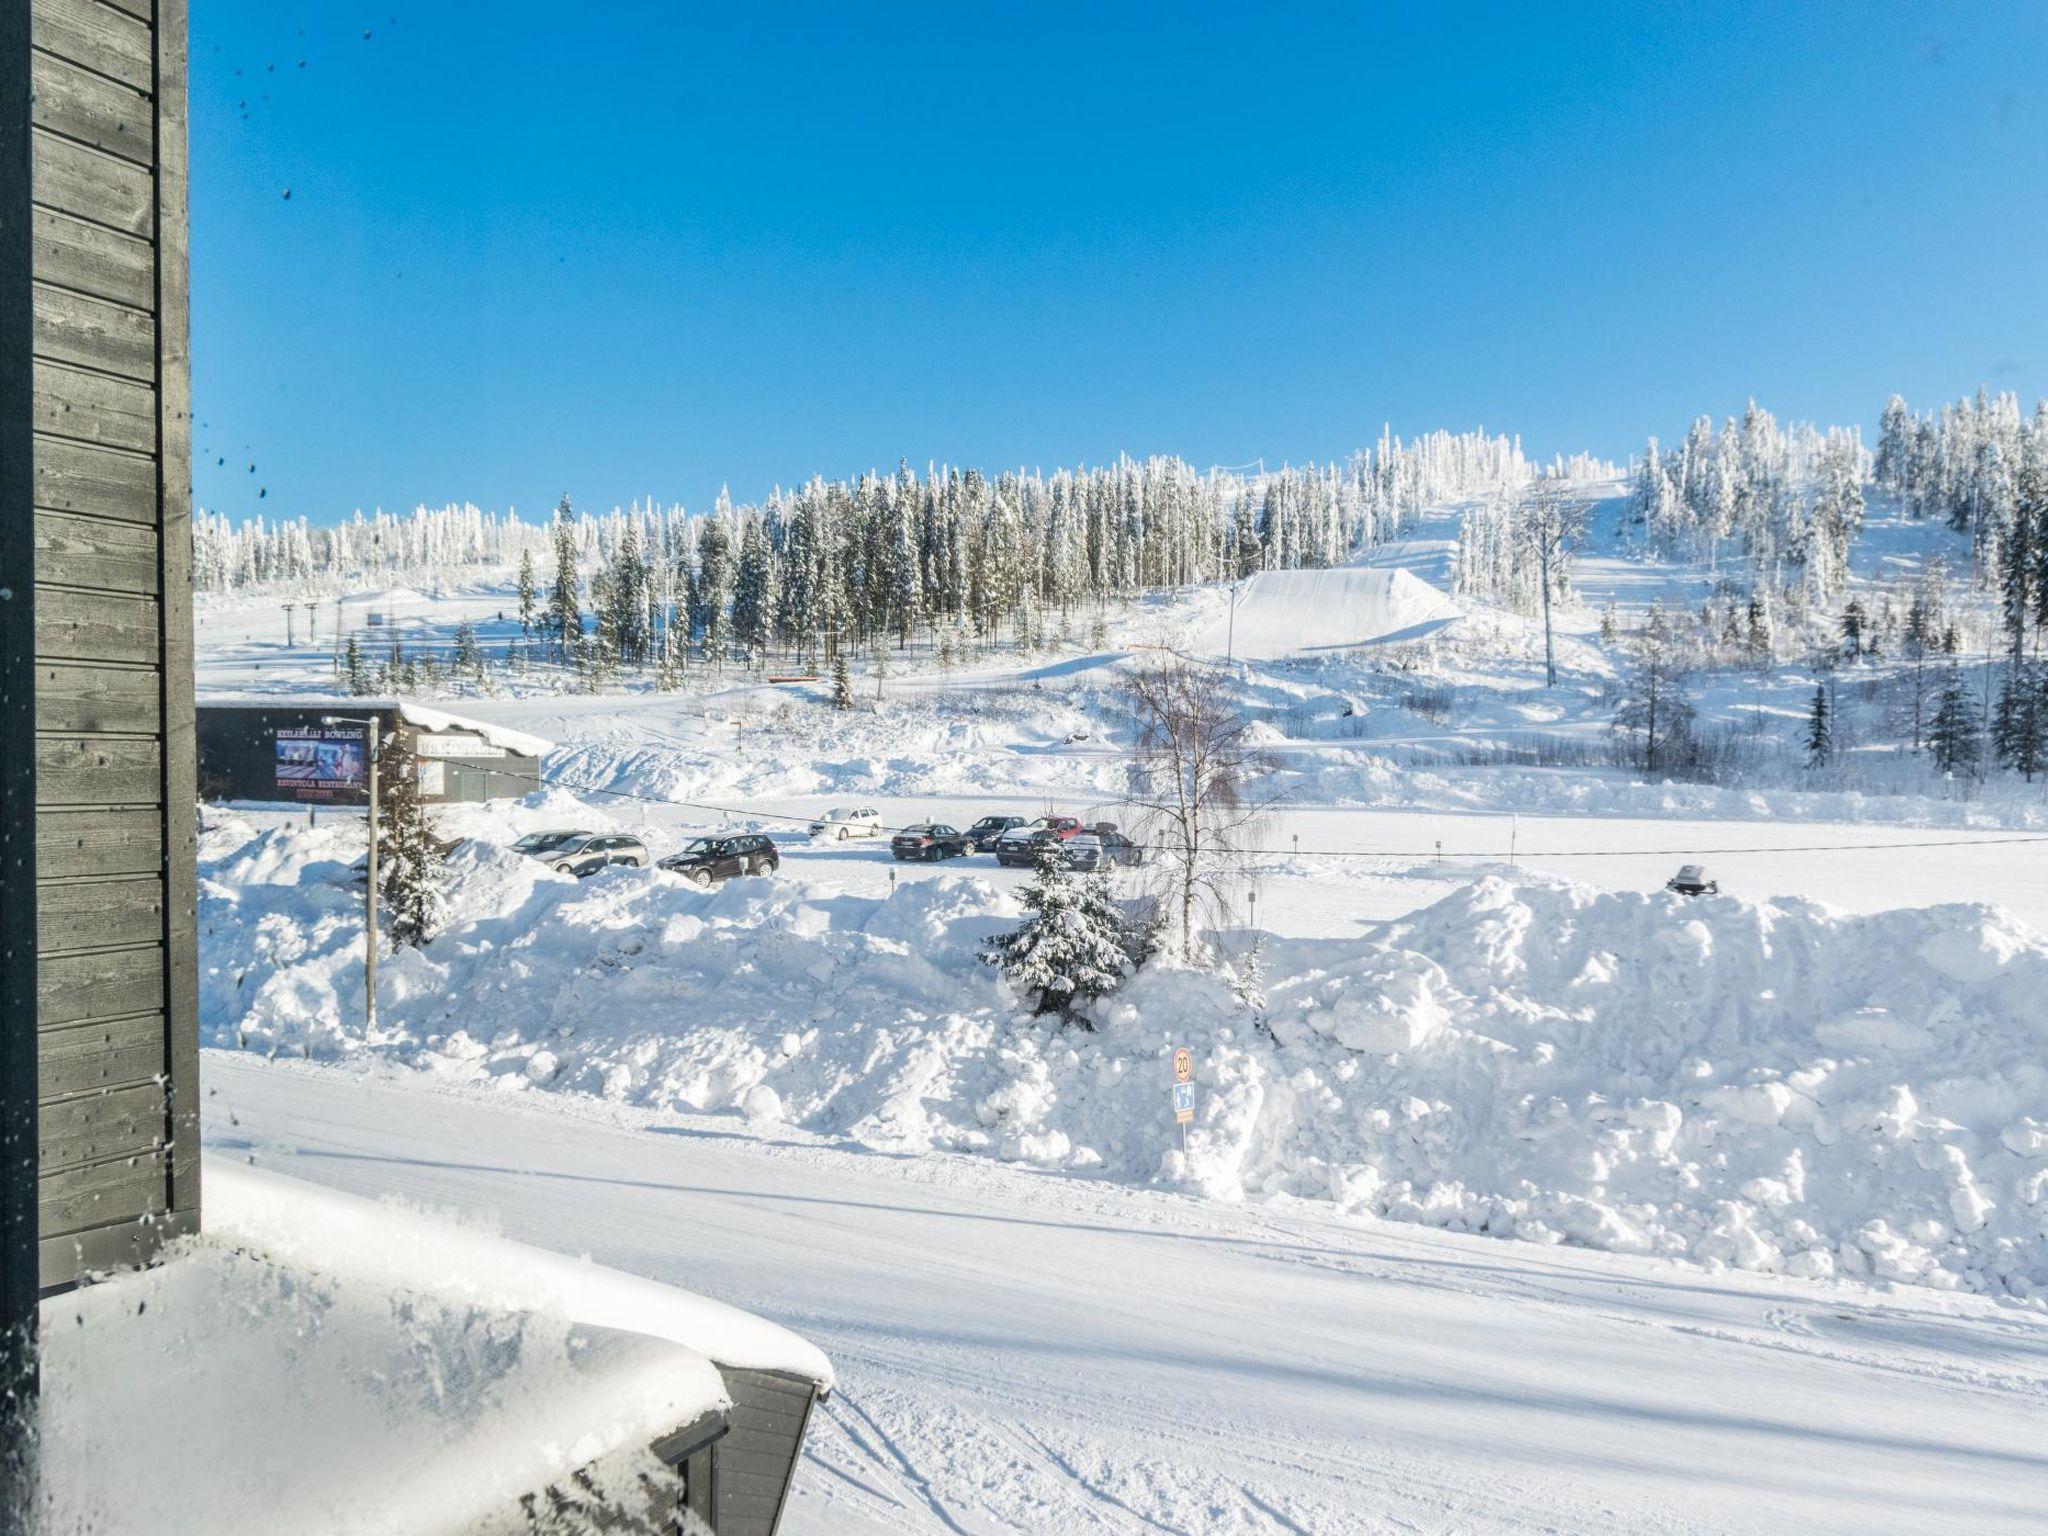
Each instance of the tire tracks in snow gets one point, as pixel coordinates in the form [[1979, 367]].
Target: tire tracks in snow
[[901, 1462]]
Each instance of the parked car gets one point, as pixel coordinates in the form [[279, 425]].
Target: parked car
[[931, 840], [983, 834], [584, 853], [1691, 880], [841, 824], [1104, 848], [709, 859], [1016, 845]]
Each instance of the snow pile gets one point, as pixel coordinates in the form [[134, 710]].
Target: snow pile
[[1286, 613], [1776, 1086]]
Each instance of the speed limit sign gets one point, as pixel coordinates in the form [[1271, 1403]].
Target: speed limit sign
[[1183, 1065]]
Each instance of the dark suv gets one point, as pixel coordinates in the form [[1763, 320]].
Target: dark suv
[[983, 834], [721, 858], [932, 840]]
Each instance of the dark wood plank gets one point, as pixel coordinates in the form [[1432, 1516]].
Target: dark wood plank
[[105, 482], [92, 408], [90, 185], [98, 1055], [71, 989], [101, 1194], [81, 105], [112, 42], [98, 842], [96, 626], [74, 254], [181, 750], [88, 700], [96, 770], [90, 914], [90, 552], [18, 1058], [93, 333], [95, 1127]]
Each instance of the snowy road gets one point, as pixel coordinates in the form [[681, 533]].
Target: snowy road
[[1036, 1353]]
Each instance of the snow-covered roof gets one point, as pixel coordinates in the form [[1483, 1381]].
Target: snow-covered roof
[[418, 715], [319, 1362], [305, 1226]]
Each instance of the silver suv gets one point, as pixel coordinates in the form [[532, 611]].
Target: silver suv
[[583, 853]]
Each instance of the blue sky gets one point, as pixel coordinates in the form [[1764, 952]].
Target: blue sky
[[652, 248]]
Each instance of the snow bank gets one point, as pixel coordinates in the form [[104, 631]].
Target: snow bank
[[1775, 1086]]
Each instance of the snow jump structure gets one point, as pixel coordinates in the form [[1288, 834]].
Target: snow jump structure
[[304, 1362], [1277, 614]]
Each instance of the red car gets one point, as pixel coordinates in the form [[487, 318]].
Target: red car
[[1015, 845]]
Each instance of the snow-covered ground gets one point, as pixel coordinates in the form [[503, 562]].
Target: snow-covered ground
[[1024, 1353]]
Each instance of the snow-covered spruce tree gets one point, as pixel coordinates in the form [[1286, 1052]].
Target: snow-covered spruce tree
[[1248, 978], [409, 856], [2019, 729], [1074, 943], [1955, 734], [469, 660], [354, 670], [529, 608], [842, 682], [1653, 706], [565, 612], [1820, 729]]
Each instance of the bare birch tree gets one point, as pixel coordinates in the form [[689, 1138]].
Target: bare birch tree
[[1553, 520], [1199, 790]]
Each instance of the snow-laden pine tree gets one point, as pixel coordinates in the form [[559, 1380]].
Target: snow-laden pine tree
[[353, 668], [565, 611], [469, 657], [1653, 708], [842, 682], [2019, 729], [1074, 943], [1820, 729], [529, 593], [1955, 736], [409, 856]]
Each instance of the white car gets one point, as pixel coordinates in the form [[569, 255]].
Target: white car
[[841, 824]]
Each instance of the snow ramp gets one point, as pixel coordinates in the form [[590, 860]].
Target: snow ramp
[[1289, 613]]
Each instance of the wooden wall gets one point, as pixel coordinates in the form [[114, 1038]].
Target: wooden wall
[[116, 985]]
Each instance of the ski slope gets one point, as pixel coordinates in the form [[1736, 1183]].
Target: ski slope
[[1019, 1353]]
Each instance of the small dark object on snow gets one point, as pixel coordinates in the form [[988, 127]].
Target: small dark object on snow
[[1691, 880]]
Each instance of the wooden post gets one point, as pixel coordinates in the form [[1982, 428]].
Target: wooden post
[[18, 1114], [375, 730]]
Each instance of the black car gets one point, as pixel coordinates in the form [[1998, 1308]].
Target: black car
[[983, 834], [583, 853], [709, 859], [933, 840]]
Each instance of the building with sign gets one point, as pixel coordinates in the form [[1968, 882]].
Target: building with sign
[[270, 750]]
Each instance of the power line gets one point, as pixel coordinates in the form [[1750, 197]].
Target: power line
[[1494, 854]]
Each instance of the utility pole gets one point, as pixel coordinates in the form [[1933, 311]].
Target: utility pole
[[373, 731], [288, 637]]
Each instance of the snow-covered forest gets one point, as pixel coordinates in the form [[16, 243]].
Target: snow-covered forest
[[886, 553]]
